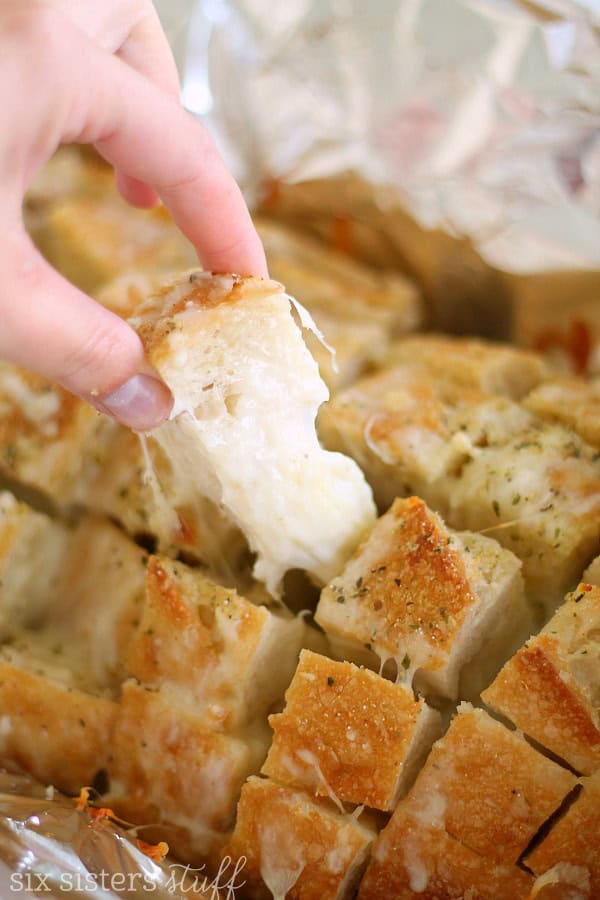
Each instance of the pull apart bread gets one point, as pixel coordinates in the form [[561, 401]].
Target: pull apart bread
[[516, 471], [247, 392], [439, 736], [137, 674]]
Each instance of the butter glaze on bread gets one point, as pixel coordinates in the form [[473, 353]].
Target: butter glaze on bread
[[349, 734], [433, 600], [550, 689], [296, 847]]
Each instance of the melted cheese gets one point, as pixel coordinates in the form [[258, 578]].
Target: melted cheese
[[242, 431], [281, 863]]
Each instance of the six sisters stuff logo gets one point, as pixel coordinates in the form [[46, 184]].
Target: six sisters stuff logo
[[182, 880]]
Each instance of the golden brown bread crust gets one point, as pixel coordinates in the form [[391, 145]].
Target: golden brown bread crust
[[412, 859], [222, 655], [345, 732], [416, 592], [154, 318], [43, 433], [295, 847], [59, 734], [574, 838], [92, 240], [492, 368], [491, 789], [571, 401], [481, 460], [592, 573], [550, 688], [171, 768]]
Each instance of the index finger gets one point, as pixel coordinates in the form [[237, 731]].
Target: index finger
[[148, 136]]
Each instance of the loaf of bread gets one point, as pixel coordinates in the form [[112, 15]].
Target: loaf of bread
[[436, 733]]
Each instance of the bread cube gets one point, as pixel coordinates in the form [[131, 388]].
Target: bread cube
[[359, 310], [327, 280], [212, 649], [550, 688], [572, 846], [414, 857], [91, 241], [125, 292], [572, 402], [348, 734], [50, 727], [539, 495], [69, 173], [243, 380], [472, 363], [80, 589], [431, 599], [169, 767], [489, 788], [295, 847], [43, 433], [410, 430], [98, 598], [32, 548]]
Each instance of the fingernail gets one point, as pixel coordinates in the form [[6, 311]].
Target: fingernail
[[141, 403]]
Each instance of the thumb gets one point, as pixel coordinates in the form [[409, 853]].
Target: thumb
[[50, 327]]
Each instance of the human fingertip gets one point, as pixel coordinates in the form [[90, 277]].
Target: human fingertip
[[141, 403]]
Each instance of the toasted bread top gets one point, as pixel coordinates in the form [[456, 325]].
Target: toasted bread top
[[345, 732], [551, 687], [488, 787]]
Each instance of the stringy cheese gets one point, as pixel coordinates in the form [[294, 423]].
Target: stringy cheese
[[242, 431]]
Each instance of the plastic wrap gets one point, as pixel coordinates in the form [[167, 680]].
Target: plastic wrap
[[457, 139], [49, 848]]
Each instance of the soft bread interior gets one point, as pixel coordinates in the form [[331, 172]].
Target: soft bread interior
[[242, 430]]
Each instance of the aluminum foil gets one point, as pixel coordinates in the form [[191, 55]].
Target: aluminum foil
[[482, 115], [48, 848], [468, 118]]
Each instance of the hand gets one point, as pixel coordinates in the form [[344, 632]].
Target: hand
[[101, 72]]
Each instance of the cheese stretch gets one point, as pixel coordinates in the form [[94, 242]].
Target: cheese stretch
[[242, 431]]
